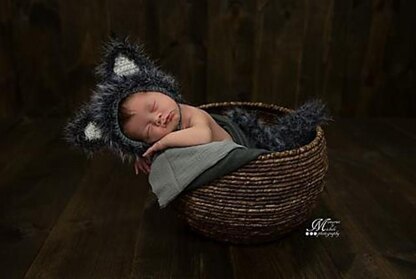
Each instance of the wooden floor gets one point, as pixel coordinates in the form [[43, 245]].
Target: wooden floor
[[63, 216]]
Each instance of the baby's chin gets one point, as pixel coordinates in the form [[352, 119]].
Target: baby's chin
[[174, 122], [175, 119]]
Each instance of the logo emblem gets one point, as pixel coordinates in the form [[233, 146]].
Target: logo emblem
[[323, 227]]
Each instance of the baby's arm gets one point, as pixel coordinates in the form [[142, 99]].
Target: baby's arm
[[196, 135], [200, 133]]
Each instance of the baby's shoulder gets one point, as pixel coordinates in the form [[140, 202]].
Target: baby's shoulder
[[199, 116]]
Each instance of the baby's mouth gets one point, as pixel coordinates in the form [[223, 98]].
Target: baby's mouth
[[170, 115], [168, 118]]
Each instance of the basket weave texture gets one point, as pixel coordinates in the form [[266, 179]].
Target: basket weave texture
[[264, 199]]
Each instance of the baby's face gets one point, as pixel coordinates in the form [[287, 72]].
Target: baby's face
[[154, 116]]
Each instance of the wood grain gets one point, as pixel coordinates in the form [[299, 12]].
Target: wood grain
[[358, 56]]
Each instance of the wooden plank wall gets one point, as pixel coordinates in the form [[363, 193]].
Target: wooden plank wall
[[358, 55]]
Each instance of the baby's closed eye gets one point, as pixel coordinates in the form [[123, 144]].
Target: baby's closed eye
[[153, 107]]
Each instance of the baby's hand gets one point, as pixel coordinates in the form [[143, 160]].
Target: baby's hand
[[153, 149], [142, 164]]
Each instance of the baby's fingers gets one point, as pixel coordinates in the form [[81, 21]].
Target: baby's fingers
[[135, 169], [148, 168], [145, 167], [138, 165]]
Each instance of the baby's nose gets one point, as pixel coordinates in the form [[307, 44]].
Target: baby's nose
[[159, 119]]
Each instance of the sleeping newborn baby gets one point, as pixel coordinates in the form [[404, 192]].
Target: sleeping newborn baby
[[136, 105], [153, 117], [158, 120]]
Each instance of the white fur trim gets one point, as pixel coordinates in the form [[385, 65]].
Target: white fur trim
[[124, 66], [92, 132]]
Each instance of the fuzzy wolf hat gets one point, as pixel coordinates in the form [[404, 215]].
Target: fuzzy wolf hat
[[124, 69]]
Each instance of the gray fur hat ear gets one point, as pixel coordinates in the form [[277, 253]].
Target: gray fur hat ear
[[124, 70], [122, 58], [84, 132]]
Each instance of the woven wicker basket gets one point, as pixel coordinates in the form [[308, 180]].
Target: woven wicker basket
[[262, 200]]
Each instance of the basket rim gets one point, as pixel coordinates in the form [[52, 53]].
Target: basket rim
[[273, 154]]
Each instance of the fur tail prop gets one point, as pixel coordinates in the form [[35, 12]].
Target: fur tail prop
[[290, 131]]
